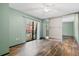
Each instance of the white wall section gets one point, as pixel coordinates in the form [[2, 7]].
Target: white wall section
[[55, 28]]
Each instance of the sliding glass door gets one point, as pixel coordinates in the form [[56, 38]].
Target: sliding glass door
[[32, 30]]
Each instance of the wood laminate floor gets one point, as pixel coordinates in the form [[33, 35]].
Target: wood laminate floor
[[51, 47]]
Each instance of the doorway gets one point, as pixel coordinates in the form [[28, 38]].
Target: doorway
[[32, 30], [68, 29]]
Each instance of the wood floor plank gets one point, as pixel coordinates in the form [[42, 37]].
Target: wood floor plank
[[47, 48]]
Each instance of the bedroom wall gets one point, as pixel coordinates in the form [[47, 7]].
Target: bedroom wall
[[17, 27], [68, 28], [4, 29], [55, 28], [12, 27]]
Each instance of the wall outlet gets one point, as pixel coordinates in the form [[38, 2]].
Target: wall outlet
[[17, 39]]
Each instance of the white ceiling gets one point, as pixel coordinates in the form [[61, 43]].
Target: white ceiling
[[46, 10]]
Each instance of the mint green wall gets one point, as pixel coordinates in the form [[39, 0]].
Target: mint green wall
[[17, 26], [12, 27], [4, 29], [78, 27], [68, 28], [43, 28]]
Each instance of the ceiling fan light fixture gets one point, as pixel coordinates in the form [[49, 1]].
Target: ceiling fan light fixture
[[46, 9]]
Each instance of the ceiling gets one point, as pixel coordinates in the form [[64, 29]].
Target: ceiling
[[46, 10]]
